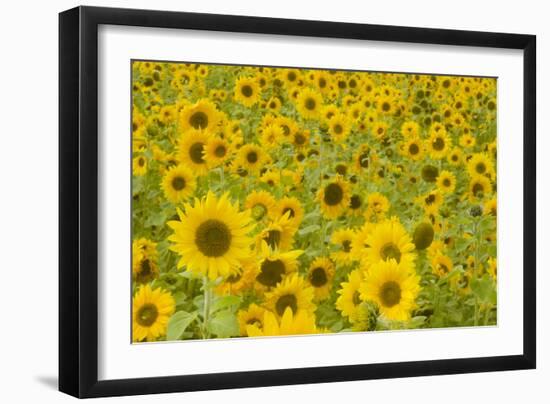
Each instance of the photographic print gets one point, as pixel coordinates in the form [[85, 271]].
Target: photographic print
[[270, 201]]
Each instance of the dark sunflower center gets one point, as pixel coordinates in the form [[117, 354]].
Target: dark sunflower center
[[341, 169], [234, 278], [356, 298], [198, 120], [480, 168], [178, 183], [438, 144], [443, 268], [318, 277], [447, 182], [310, 104], [299, 139], [390, 294], [195, 153], [286, 301], [413, 149], [252, 157], [389, 251], [355, 202], [322, 83], [430, 199], [273, 238], [213, 238], [147, 315], [290, 211], [291, 76], [364, 160], [454, 157], [478, 189], [338, 129], [386, 106], [346, 245], [246, 90], [333, 194], [220, 151], [271, 272]]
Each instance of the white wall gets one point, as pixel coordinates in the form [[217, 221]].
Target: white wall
[[28, 198]]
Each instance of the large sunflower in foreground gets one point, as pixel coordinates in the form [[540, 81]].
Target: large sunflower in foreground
[[211, 237], [202, 115], [151, 310], [393, 288], [290, 324], [389, 240], [293, 293]]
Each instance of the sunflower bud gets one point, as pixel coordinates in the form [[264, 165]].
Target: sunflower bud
[[423, 236], [429, 173]]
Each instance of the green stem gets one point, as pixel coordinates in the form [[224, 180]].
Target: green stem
[[206, 311]]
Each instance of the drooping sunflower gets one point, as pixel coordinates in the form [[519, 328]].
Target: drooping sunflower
[[274, 265], [490, 207], [247, 91], [481, 164], [342, 238], [240, 281], [289, 324], [211, 236], [217, 151], [253, 315], [431, 201], [252, 157], [439, 143], [350, 297], [309, 103], [389, 240], [178, 183], [334, 197], [191, 150], [202, 115], [260, 203], [144, 261], [151, 310], [377, 205], [319, 277], [446, 182], [292, 292], [393, 288]]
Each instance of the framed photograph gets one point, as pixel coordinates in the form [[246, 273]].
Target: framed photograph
[[251, 201]]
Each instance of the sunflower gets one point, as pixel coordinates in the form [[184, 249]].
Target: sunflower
[[481, 164], [202, 115], [253, 315], [410, 129], [439, 142], [479, 188], [455, 156], [309, 103], [338, 127], [446, 182], [217, 151], [359, 243], [139, 165], [350, 298], [363, 158], [490, 207], [467, 140], [290, 324], [292, 292], [385, 105], [441, 265], [211, 237], [252, 157], [377, 205], [240, 281], [260, 203], [380, 130], [279, 233], [144, 261], [342, 238], [178, 183], [274, 265], [413, 148], [289, 205], [389, 240], [300, 139], [151, 310], [320, 275], [191, 151], [247, 91], [272, 135], [393, 288], [274, 104], [431, 201], [334, 197]]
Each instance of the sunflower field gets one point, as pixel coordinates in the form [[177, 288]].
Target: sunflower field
[[277, 201]]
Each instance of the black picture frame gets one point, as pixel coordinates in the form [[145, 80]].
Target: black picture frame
[[78, 200]]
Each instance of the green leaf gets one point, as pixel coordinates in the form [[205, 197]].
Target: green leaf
[[224, 325], [484, 289], [178, 323], [309, 229], [224, 302]]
